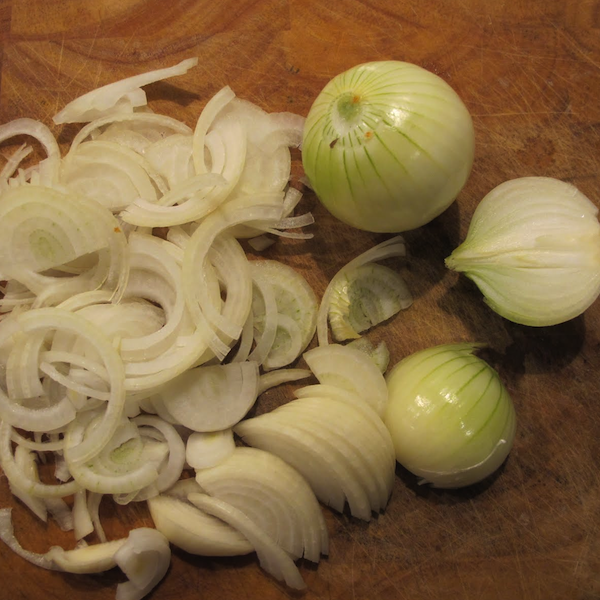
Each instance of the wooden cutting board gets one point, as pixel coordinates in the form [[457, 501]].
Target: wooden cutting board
[[530, 74]]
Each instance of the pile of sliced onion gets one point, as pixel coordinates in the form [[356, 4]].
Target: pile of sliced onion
[[131, 358]]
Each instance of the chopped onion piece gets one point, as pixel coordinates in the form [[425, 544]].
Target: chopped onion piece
[[24, 459], [341, 447], [82, 519], [7, 535], [42, 133], [390, 248], [111, 174], [296, 310], [363, 297], [274, 496], [22, 480], [351, 370], [212, 398], [260, 243], [272, 558], [280, 376], [207, 449], [145, 559], [170, 472], [205, 120], [193, 530], [120, 96], [48, 319], [379, 354]]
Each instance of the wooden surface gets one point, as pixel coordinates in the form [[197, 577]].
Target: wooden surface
[[529, 71]]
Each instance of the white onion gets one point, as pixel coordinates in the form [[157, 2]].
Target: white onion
[[121, 96], [450, 417], [272, 558], [144, 558], [207, 449], [350, 370], [191, 529], [533, 249], [389, 248], [212, 398], [387, 146], [274, 495], [341, 448]]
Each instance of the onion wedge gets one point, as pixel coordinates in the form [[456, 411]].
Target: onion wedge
[[350, 369], [273, 559], [274, 495], [195, 531]]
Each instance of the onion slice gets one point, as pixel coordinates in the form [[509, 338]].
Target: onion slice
[[120, 96], [351, 370], [193, 530], [212, 398], [272, 558], [274, 495], [390, 248]]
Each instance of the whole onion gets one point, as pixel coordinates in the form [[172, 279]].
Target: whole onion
[[387, 146]]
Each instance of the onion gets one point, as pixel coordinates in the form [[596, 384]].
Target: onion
[[111, 174], [390, 248], [212, 398], [351, 370], [49, 168], [191, 529], [284, 313], [82, 519], [145, 558], [121, 96], [340, 445], [274, 496], [379, 354], [207, 449], [450, 417], [533, 249], [387, 146], [363, 297], [272, 558]]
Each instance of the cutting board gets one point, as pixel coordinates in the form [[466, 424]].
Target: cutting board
[[529, 72]]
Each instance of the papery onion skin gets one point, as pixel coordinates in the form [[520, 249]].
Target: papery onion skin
[[533, 250], [451, 419], [387, 146]]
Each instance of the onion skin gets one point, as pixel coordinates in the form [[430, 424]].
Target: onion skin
[[451, 419], [387, 146]]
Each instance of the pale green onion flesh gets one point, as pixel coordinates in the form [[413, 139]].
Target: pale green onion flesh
[[364, 297], [391, 248]]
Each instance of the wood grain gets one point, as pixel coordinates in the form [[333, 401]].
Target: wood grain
[[530, 74]]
